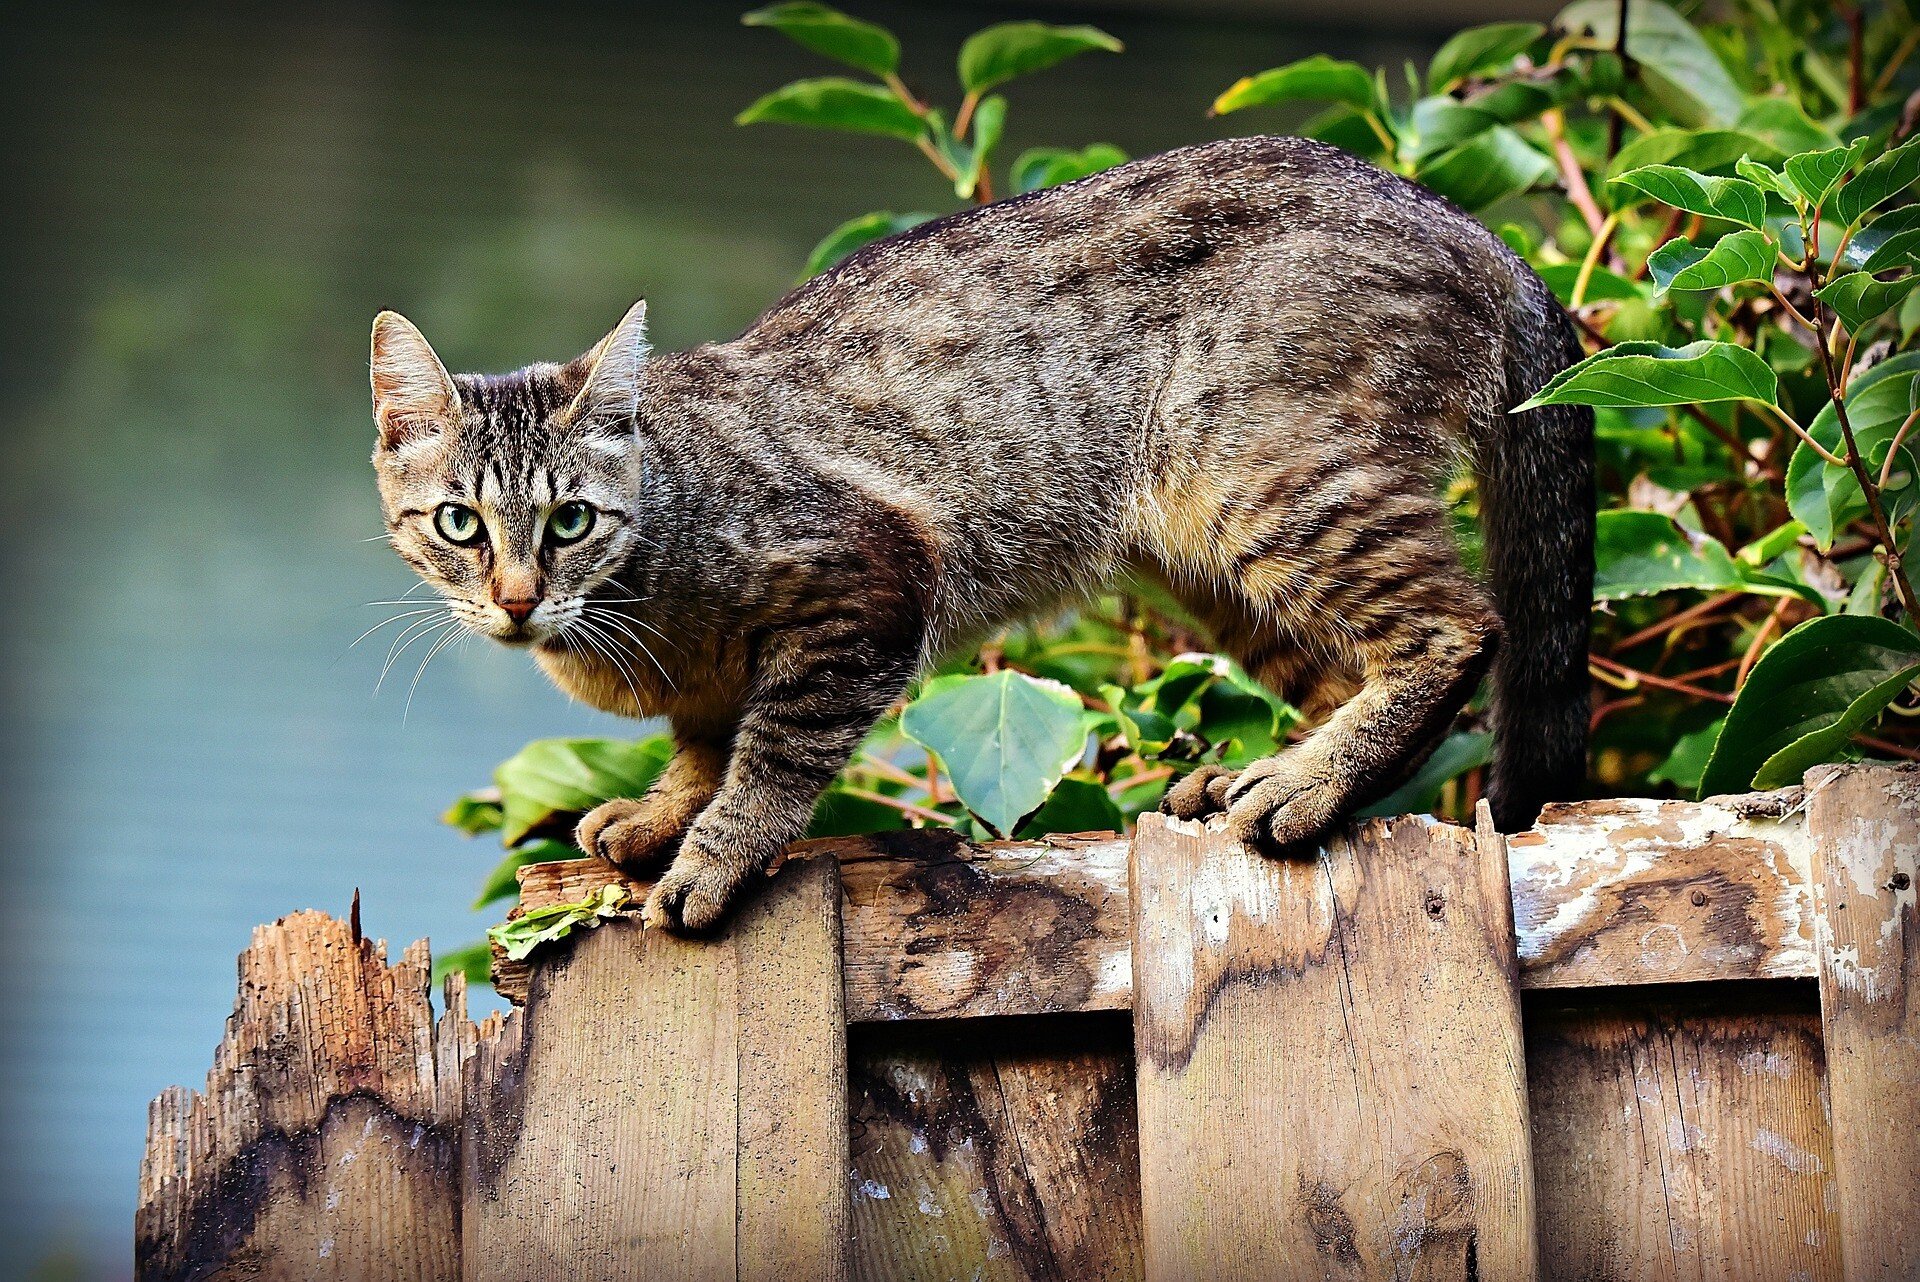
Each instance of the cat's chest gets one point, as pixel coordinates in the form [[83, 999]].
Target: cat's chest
[[623, 683]]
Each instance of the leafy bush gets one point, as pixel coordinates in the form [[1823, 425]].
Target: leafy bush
[[1724, 207]]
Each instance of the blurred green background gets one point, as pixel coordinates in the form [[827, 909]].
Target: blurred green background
[[206, 209]]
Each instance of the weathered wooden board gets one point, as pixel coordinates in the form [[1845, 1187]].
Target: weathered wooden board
[[668, 1107], [1866, 831], [1006, 1155], [1678, 1135], [326, 1144], [1604, 892], [1329, 1063]]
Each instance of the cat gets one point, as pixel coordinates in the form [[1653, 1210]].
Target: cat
[[1245, 368]]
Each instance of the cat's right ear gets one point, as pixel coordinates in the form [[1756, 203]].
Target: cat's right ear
[[413, 395], [615, 367]]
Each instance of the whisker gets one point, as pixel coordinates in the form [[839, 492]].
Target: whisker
[[394, 651], [605, 648], [404, 614], [612, 619], [438, 646]]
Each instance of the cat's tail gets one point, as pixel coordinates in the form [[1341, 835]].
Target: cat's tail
[[1537, 517]]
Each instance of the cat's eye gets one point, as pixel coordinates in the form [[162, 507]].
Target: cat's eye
[[570, 522], [458, 524]]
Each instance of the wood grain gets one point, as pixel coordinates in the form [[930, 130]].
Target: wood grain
[[1329, 1064], [669, 1107], [326, 1143], [1604, 893], [1679, 1136], [1005, 1155], [1865, 823]]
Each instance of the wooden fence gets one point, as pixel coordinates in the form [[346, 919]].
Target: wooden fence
[[1644, 1040]]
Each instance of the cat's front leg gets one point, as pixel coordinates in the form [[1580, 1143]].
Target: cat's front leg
[[637, 833], [806, 718]]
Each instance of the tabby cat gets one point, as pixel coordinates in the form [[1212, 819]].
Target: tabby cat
[[1246, 368]]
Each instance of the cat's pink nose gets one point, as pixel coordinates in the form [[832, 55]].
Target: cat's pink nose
[[518, 610]]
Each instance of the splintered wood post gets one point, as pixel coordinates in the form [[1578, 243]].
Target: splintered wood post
[[1328, 1050], [326, 1145], [671, 1108], [1865, 827]]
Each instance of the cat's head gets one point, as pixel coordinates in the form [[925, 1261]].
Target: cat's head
[[514, 494]]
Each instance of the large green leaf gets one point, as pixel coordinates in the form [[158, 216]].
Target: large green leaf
[[1879, 181], [841, 813], [1688, 760], [1806, 697], [1479, 49], [1051, 166], [1457, 754], [1890, 241], [1641, 553], [504, 881], [1703, 150], [1010, 49], [834, 102], [1815, 174], [1442, 123], [1734, 199], [856, 233], [1731, 260], [1496, 164], [1005, 739], [475, 961], [1674, 61], [1075, 805], [1858, 299], [1783, 123], [552, 780], [832, 34], [1824, 497], [1640, 374], [1315, 79]]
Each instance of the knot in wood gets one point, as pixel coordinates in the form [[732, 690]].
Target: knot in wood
[[1436, 904], [1699, 898]]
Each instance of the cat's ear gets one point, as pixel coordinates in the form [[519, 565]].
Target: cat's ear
[[413, 395], [614, 368]]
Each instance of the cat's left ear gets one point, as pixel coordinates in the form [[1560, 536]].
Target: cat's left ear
[[614, 369], [413, 395]]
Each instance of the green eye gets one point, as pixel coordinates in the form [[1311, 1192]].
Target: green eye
[[458, 524], [570, 523]]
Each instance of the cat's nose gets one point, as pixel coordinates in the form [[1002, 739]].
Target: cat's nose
[[518, 610]]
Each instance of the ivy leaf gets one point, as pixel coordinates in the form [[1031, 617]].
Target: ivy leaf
[[1734, 199], [1479, 49], [504, 881], [550, 781], [1629, 375], [1641, 553], [1806, 697], [856, 233], [1826, 498], [1680, 264], [1005, 739], [999, 53], [1075, 805], [1881, 180], [1676, 63], [1496, 164], [832, 34], [1815, 174], [1051, 166], [834, 102], [1315, 79], [1858, 299]]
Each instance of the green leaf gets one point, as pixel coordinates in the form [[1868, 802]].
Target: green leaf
[[834, 102], [832, 34], [1826, 498], [504, 881], [1881, 180], [1743, 256], [1892, 240], [552, 780], [1602, 285], [1703, 150], [1075, 805], [1457, 754], [989, 123], [1859, 300], [1675, 63], [1640, 374], [1051, 166], [1005, 739], [556, 921], [1497, 164], [1782, 123], [1315, 79], [1688, 760], [1765, 178], [1479, 49], [1441, 124], [998, 54], [475, 961], [1733, 199], [856, 233], [840, 813], [1806, 697], [1814, 174], [475, 813], [1641, 553]]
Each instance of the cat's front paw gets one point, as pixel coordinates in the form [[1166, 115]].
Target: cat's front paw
[[631, 834], [694, 896], [1281, 804], [1202, 793]]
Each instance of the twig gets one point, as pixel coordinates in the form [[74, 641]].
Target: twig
[[1140, 780], [1620, 676], [1709, 606], [1760, 636], [904, 807], [1895, 61], [1881, 745], [1570, 173], [1886, 465], [1627, 69]]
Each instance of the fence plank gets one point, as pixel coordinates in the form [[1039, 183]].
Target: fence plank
[[1329, 1064], [1002, 1156], [644, 1115], [1865, 823], [1681, 1138], [326, 1143]]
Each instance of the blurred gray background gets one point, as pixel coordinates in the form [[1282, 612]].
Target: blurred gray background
[[206, 208]]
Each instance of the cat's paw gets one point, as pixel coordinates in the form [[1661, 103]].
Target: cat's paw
[[1281, 804], [1202, 793], [695, 894], [627, 833]]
